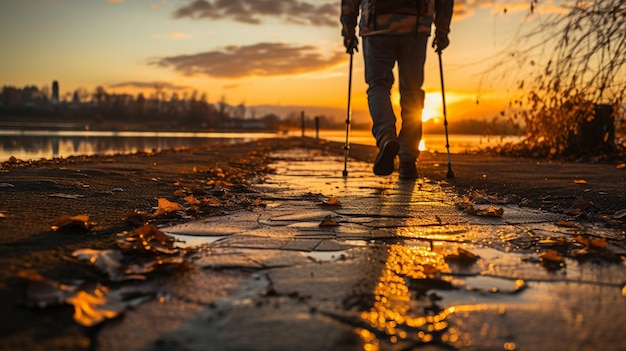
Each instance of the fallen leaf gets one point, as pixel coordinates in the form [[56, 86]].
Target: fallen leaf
[[621, 166], [67, 222], [192, 200], [553, 242], [581, 240], [165, 206], [580, 181], [490, 211], [596, 243], [107, 261], [148, 238], [525, 202], [330, 202], [551, 256], [328, 222], [481, 197], [599, 243], [567, 224], [92, 309], [211, 202]]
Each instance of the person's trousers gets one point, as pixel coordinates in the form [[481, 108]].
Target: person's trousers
[[381, 52]]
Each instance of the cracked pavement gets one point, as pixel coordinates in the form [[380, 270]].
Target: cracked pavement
[[381, 270]]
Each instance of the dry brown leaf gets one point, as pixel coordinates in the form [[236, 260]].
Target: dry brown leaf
[[595, 243], [553, 242], [567, 224], [490, 211], [211, 201], [580, 181], [330, 202], [551, 256], [92, 309], [582, 240], [481, 197], [599, 243], [67, 222], [165, 206], [192, 200], [621, 166], [148, 238], [328, 222], [179, 193]]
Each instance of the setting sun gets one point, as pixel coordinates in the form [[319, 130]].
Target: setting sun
[[432, 106]]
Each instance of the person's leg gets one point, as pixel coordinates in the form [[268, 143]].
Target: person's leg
[[411, 59], [379, 53]]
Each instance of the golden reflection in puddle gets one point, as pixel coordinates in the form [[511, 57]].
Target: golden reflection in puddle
[[400, 319]]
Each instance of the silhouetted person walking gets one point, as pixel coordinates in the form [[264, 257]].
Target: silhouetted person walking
[[395, 31]]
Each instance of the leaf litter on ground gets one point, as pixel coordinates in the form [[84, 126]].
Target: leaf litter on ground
[[328, 222], [473, 203], [72, 223]]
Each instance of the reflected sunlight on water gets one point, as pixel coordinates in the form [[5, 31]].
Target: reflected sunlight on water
[[396, 312], [459, 143], [47, 144], [38, 144]]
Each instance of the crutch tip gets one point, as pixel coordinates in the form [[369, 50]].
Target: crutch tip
[[345, 173], [450, 174]]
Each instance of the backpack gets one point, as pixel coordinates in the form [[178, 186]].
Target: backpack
[[404, 7]]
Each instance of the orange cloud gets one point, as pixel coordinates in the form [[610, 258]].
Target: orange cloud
[[252, 11], [263, 59], [176, 35], [149, 85]]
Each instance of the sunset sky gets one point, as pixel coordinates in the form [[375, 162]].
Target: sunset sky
[[256, 52]]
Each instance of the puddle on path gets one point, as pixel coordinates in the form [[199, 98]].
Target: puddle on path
[[193, 241]]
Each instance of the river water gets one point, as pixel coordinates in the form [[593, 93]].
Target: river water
[[47, 144]]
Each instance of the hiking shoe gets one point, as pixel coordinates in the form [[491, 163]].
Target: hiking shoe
[[408, 170], [388, 149]]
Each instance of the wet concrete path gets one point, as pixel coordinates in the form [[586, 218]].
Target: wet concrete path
[[373, 263]]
